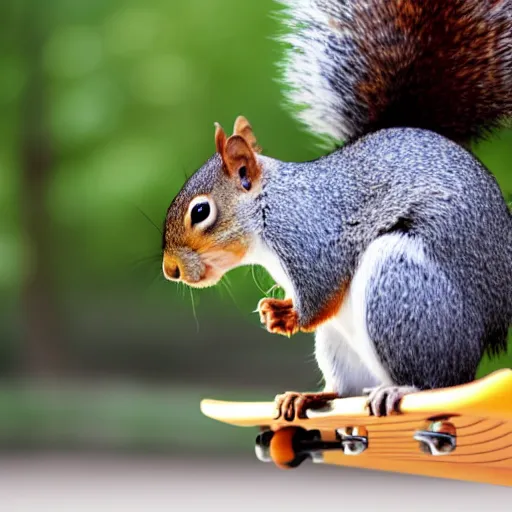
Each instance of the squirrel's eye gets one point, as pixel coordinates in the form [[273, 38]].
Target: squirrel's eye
[[200, 212]]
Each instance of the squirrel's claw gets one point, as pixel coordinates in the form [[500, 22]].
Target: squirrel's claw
[[385, 400], [292, 405], [279, 316]]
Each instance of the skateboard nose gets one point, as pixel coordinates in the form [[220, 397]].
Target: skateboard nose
[[171, 268]]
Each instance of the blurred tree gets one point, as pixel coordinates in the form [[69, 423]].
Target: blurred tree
[[44, 350]]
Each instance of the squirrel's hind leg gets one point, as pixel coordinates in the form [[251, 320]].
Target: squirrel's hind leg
[[385, 400], [425, 331]]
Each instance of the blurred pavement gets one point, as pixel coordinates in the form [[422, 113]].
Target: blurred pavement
[[72, 483]]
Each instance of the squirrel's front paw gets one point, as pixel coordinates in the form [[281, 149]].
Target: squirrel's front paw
[[292, 405], [279, 316]]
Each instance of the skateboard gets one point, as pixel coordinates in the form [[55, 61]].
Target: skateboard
[[462, 432]]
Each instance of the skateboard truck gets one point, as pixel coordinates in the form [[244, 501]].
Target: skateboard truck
[[354, 440], [289, 447], [440, 438]]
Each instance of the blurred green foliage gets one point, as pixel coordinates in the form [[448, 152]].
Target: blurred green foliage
[[130, 95], [127, 93]]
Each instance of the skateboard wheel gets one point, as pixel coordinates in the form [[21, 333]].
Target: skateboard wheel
[[262, 447], [439, 439], [282, 450]]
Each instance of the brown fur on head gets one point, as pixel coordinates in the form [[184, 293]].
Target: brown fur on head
[[205, 232]]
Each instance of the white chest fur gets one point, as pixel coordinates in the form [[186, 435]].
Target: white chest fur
[[260, 254], [351, 320]]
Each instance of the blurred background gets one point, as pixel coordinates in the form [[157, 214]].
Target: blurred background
[[107, 106]]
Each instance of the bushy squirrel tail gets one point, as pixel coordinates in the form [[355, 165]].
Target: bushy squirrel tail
[[356, 66]]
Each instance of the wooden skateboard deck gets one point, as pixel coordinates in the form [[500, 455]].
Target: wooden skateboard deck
[[462, 432]]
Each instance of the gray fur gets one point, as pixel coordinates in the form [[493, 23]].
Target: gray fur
[[430, 325], [322, 68]]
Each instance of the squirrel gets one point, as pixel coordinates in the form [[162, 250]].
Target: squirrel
[[395, 248]]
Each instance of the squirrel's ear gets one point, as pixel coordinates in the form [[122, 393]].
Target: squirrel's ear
[[220, 139], [244, 129], [240, 161]]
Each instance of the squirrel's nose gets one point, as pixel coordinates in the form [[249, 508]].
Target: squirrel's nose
[[171, 269], [175, 273]]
